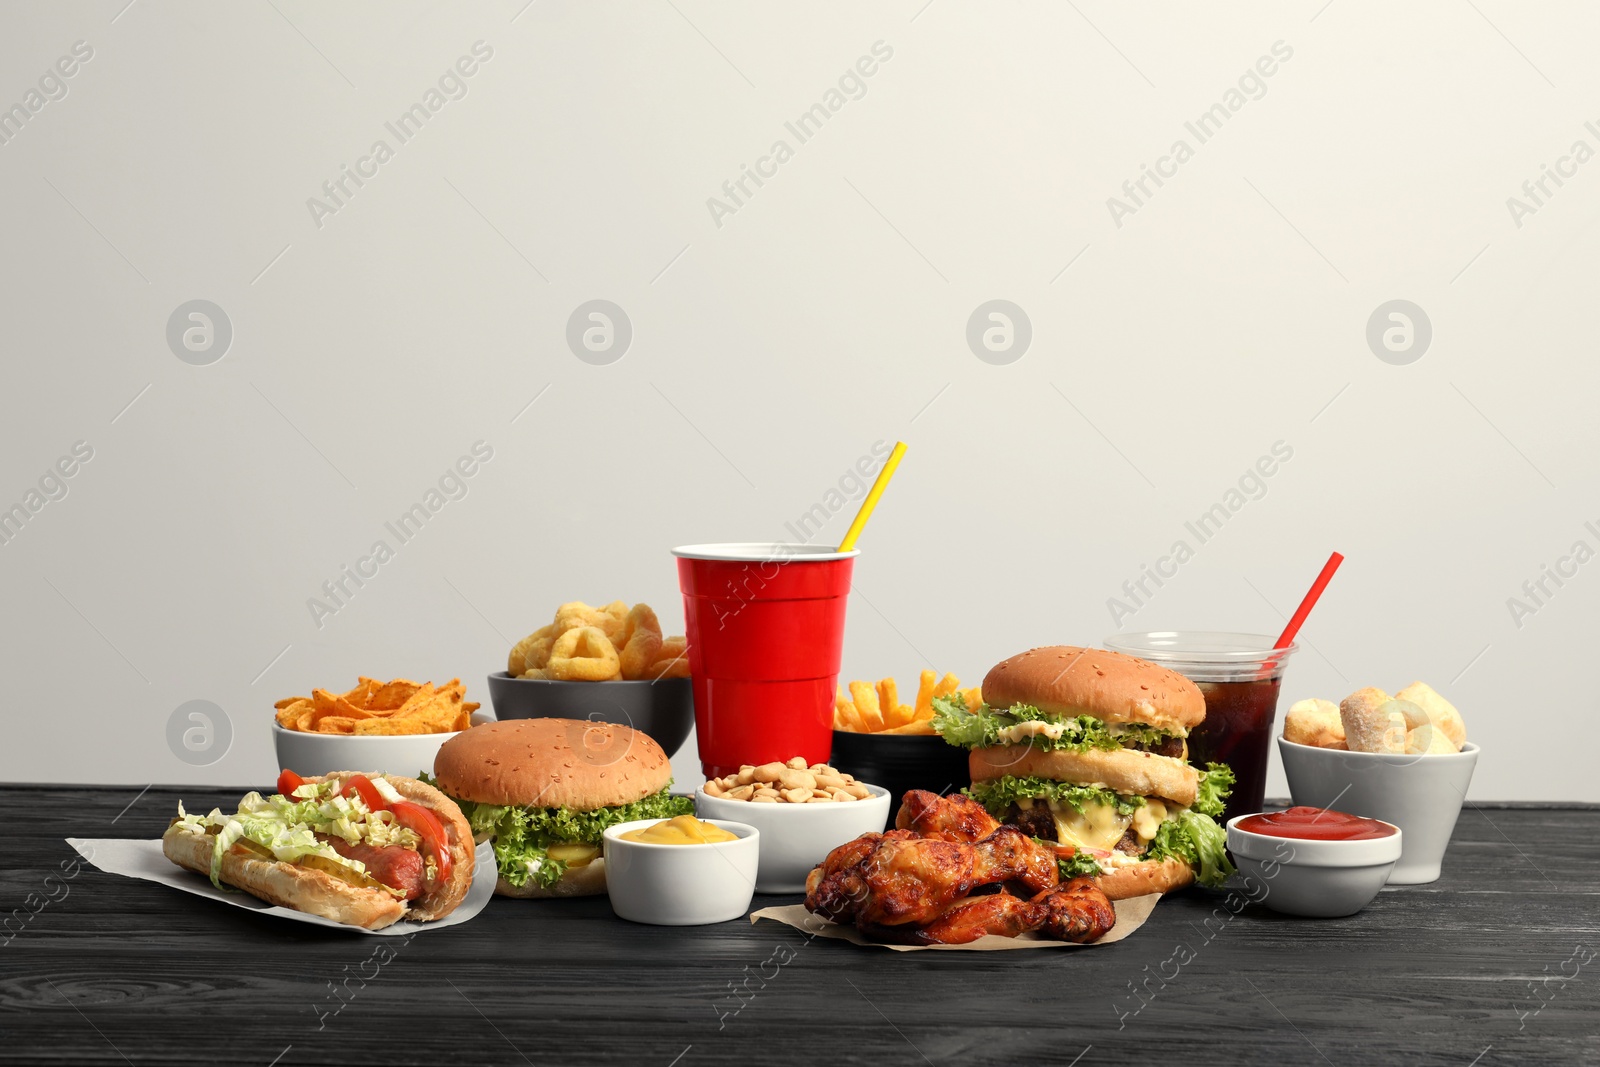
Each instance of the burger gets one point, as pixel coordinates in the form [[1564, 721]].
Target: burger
[[545, 790], [1086, 749]]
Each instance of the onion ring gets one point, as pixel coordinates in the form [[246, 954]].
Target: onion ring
[[584, 654]]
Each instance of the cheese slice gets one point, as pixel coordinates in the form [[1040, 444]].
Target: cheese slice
[[1098, 826], [573, 853], [1148, 819]]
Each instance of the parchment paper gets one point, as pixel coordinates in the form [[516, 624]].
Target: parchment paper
[[1131, 914], [145, 860]]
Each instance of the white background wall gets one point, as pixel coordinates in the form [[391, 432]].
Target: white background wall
[[769, 352]]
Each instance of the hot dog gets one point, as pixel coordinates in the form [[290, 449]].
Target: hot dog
[[393, 865], [366, 850]]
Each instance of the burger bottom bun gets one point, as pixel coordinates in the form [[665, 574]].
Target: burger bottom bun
[[1140, 879], [586, 881], [1127, 771]]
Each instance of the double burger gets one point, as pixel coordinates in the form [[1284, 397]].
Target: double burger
[[1086, 748], [546, 789]]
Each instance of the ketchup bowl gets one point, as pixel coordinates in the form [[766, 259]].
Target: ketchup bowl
[[1313, 862], [1420, 794]]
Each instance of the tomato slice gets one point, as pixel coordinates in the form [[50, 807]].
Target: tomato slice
[[362, 786], [430, 829], [288, 782]]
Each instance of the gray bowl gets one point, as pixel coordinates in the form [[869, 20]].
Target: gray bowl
[[664, 709]]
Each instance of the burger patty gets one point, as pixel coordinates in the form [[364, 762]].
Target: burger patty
[[1171, 746], [1035, 821]]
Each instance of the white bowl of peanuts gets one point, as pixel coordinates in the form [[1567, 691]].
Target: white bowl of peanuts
[[802, 811]]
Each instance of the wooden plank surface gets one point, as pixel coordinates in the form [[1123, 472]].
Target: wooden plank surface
[[1496, 963]]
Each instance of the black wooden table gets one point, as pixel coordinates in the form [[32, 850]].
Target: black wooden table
[[1492, 964]]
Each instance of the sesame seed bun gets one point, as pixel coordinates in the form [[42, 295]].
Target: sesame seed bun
[[552, 763], [1109, 686]]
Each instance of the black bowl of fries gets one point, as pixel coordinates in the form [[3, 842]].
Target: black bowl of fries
[[880, 740]]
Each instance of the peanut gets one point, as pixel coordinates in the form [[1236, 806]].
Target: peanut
[[791, 781], [795, 779]]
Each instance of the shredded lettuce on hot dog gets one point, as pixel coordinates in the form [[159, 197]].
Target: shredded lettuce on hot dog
[[287, 826]]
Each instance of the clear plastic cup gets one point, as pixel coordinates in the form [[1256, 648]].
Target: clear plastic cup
[[1240, 675]]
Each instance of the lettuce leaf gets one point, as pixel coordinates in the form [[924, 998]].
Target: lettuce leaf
[[1191, 835], [958, 726], [287, 826], [1216, 782], [1196, 838], [998, 794], [522, 835], [1081, 864], [981, 727]]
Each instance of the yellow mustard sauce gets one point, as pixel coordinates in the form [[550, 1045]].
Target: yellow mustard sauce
[[683, 830]]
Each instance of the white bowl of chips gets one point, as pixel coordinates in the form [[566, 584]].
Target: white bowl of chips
[[392, 728], [308, 754]]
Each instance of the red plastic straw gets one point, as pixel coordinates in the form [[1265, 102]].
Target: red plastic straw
[[1310, 601]]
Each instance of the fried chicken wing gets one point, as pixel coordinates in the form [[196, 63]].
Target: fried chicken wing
[[952, 818], [896, 878], [1078, 911], [904, 886], [965, 922], [1010, 855]]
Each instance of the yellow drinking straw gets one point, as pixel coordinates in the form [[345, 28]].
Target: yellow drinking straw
[[871, 502]]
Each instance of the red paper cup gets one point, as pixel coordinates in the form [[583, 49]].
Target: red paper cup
[[765, 627]]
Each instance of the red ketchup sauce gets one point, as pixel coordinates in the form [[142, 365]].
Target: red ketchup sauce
[[1315, 824]]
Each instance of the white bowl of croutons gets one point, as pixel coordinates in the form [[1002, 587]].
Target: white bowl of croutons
[[1421, 794]]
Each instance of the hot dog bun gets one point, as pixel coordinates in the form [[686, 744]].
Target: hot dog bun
[[301, 888], [319, 893]]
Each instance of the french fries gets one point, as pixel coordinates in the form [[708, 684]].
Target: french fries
[[876, 709]]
